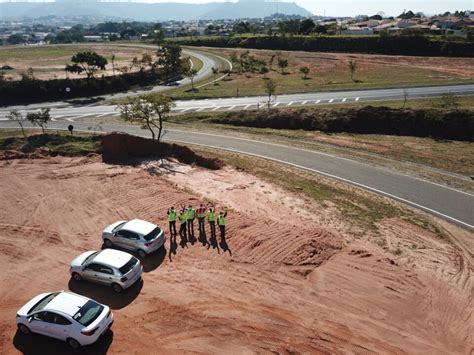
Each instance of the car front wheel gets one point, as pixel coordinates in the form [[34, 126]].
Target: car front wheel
[[24, 329], [108, 243], [141, 253], [73, 343]]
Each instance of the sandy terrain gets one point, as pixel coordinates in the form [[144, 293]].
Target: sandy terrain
[[281, 282]]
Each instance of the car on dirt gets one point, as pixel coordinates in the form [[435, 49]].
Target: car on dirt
[[136, 235], [66, 316], [109, 267]]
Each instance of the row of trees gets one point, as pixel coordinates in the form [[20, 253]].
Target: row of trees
[[410, 45]]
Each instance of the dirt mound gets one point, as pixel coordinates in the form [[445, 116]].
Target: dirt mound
[[119, 147]]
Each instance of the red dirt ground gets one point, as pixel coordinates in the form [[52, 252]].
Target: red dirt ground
[[281, 283]]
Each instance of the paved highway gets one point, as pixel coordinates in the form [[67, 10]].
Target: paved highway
[[445, 202], [72, 112]]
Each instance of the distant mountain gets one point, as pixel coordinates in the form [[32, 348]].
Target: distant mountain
[[150, 12]]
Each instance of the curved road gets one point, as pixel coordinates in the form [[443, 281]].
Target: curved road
[[445, 202]]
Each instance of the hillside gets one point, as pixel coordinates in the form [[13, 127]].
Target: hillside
[[149, 12]]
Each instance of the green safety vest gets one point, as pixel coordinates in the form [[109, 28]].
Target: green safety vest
[[191, 213], [172, 215], [182, 218], [221, 220], [211, 216]]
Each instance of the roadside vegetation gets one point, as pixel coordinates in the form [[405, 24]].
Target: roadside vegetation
[[166, 65], [298, 72]]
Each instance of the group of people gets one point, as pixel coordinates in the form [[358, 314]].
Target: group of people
[[187, 215]]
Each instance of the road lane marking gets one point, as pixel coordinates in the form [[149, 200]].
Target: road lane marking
[[275, 105], [330, 101], [187, 109], [344, 100], [291, 103], [247, 106], [304, 102], [201, 109], [231, 108], [356, 99], [317, 101], [216, 108]]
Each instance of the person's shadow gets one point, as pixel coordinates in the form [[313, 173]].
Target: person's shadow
[[203, 239], [192, 239], [39, 344], [184, 241], [224, 246], [173, 246], [213, 243]]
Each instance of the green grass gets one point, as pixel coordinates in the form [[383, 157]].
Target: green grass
[[59, 143]]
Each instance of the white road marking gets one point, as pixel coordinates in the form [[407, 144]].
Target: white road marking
[[186, 109], [104, 114], [201, 109], [247, 106], [344, 100], [70, 119], [116, 115], [231, 108], [304, 102], [317, 101], [330, 101], [276, 104], [216, 108], [291, 103], [356, 99]]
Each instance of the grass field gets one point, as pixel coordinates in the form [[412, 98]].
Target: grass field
[[329, 71]]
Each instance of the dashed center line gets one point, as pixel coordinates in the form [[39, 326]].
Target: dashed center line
[[247, 106], [216, 108], [276, 104], [291, 103], [344, 100], [330, 101], [304, 102], [356, 99], [317, 101], [231, 108]]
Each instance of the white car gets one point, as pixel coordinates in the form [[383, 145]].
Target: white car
[[72, 318], [136, 235], [109, 267]]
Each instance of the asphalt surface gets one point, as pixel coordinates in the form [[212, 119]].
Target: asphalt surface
[[445, 202], [73, 111]]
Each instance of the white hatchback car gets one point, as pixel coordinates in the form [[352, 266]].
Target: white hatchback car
[[109, 267], [136, 235], [63, 315]]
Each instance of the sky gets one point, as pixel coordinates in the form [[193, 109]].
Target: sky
[[365, 7]]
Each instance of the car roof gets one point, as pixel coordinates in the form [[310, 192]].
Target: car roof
[[67, 303], [112, 257], [139, 226]]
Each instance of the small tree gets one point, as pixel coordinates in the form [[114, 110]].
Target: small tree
[[40, 118], [18, 118], [283, 64], [352, 68], [270, 61], [149, 110], [191, 74], [449, 102], [270, 88], [305, 71], [405, 97], [113, 64], [87, 62]]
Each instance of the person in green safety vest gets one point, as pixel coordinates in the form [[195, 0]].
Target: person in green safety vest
[[221, 222], [182, 220], [191, 215], [172, 219], [211, 218], [201, 216]]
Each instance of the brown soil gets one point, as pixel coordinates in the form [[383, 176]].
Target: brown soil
[[282, 282]]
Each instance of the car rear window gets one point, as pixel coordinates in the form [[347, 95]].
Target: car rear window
[[128, 266], [118, 227], [153, 234], [44, 301], [88, 313]]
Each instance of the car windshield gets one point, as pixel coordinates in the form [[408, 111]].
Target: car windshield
[[128, 266], [118, 227], [153, 234], [44, 301], [90, 257], [88, 313]]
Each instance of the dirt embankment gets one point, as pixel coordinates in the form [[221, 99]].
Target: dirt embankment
[[282, 281]]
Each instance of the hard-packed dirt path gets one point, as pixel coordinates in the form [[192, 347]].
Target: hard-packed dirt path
[[282, 281]]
